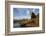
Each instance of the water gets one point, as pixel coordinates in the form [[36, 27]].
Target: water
[[17, 25]]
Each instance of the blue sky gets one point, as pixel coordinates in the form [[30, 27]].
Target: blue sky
[[24, 11]]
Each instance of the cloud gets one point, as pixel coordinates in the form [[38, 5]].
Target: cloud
[[36, 11], [22, 17]]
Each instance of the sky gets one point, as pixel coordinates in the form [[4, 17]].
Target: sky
[[24, 12]]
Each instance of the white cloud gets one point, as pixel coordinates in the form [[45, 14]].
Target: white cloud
[[23, 17], [34, 11]]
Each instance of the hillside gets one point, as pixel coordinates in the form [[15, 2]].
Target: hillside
[[33, 22]]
